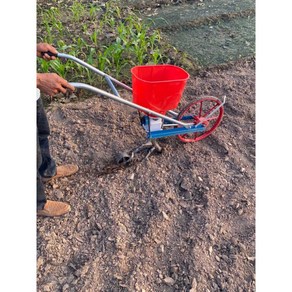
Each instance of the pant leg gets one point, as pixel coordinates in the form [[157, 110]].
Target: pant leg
[[47, 167], [41, 197]]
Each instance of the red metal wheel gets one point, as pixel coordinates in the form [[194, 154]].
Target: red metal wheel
[[198, 111]]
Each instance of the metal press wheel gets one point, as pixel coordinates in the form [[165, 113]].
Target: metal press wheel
[[196, 112]]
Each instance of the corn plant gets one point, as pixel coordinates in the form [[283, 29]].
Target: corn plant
[[93, 11], [78, 10], [156, 56], [59, 67], [94, 38], [111, 38]]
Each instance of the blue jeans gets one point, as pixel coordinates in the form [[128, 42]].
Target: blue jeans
[[46, 166]]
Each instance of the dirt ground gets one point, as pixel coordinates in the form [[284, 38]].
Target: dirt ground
[[182, 220]]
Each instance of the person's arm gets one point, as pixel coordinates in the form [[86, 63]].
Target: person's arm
[[52, 83], [42, 48]]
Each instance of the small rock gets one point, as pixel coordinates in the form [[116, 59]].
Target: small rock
[[47, 288], [241, 246], [217, 258], [40, 262], [200, 179], [184, 204], [212, 237], [131, 177], [157, 241], [222, 230], [118, 277], [225, 148], [165, 216], [59, 194], [65, 287], [70, 278], [210, 250], [240, 211], [67, 146], [199, 206], [174, 269], [194, 285], [81, 272], [72, 266], [169, 281], [252, 259], [186, 184]]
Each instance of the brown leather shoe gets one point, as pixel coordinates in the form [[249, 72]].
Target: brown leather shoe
[[54, 208], [62, 171]]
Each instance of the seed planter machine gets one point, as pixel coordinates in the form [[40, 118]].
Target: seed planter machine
[[156, 92]]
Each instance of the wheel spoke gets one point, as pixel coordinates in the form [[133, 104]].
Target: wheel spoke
[[212, 118], [198, 110], [201, 107], [210, 110]]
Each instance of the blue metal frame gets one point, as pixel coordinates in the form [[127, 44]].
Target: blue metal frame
[[175, 131], [170, 132]]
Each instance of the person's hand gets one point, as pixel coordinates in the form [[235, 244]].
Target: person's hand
[[42, 48], [51, 84]]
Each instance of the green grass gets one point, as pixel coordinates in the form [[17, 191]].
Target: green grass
[[110, 37]]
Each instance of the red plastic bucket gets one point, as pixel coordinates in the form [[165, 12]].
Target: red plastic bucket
[[158, 87]]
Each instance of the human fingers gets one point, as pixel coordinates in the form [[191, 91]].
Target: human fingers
[[53, 52], [62, 89], [48, 56], [43, 50], [65, 84]]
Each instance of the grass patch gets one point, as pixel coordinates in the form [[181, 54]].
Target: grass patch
[[107, 35]]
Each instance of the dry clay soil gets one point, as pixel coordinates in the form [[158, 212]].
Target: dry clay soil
[[182, 220]]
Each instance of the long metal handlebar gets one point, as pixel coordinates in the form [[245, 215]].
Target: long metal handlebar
[[86, 65], [131, 104]]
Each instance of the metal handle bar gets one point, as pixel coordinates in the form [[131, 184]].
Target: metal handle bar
[[108, 78], [131, 104], [212, 112], [86, 65]]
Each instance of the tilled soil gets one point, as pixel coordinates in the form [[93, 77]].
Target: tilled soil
[[182, 220]]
